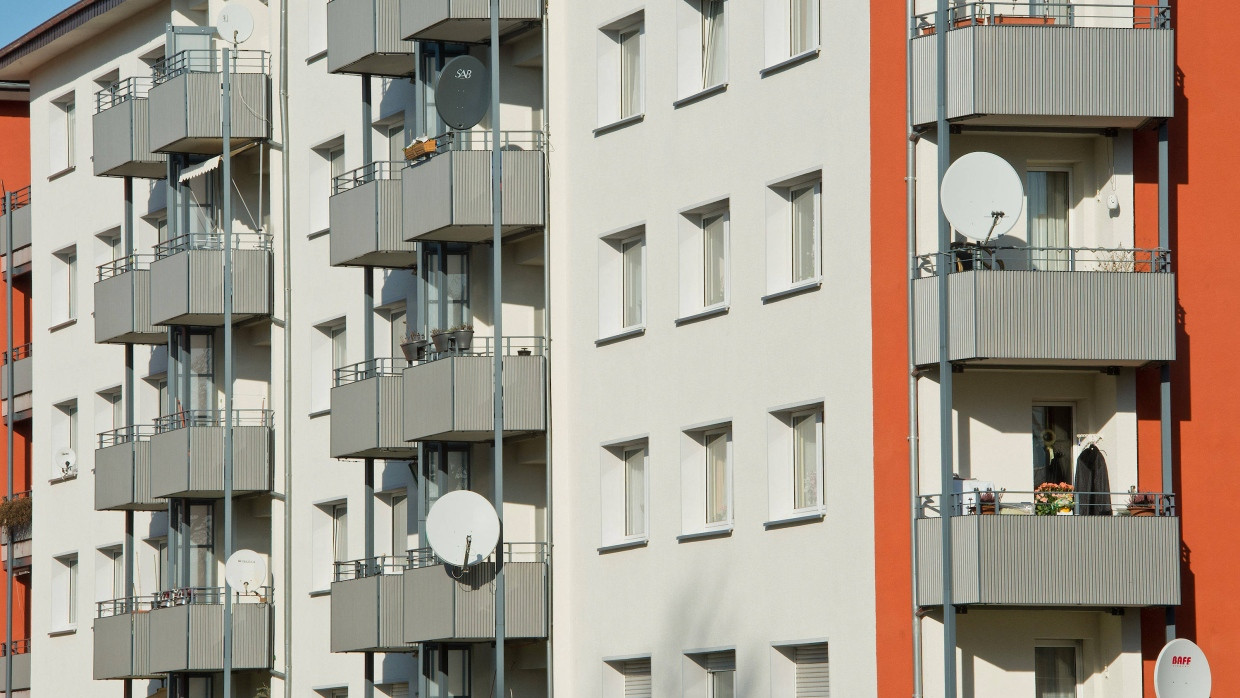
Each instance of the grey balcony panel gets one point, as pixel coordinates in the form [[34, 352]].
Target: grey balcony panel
[[21, 673], [1097, 76], [451, 399], [123, 478], [187, 288], [122, 142], [191, 637], [23, 378], [440, 607], [467, 21], [451, 192], [1107, 318], [122, 646], [185, 112], [368, 420], [363, 38], [123, 310], [21, 230], [1053, 560], [368, 615], [188, 462], [367, 226]]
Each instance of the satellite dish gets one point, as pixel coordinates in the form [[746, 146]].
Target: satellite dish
[[235, 23], [463, 92], [1182, 671], [65, 459], [246, 571], [462, 528], [982, 196]]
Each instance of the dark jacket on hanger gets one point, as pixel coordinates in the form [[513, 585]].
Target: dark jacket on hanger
[[1091, 476]]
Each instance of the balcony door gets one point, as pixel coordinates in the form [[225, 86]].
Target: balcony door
[[448, 671], [1052, 443], [1049, 212], [445, 283]]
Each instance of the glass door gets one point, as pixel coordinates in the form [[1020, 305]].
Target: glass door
[[1049, 211], [1052, 444]]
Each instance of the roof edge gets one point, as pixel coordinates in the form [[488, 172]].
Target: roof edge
[[67, 20]]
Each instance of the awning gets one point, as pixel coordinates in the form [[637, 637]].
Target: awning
[[200, 169]]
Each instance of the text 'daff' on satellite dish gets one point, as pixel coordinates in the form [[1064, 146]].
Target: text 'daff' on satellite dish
[[982, 196], [462, 528], [1182, 671], [463, 93]]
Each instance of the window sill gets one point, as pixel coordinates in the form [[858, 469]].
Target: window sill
[[703, 314], [320, 413], [318, 233], [61, 173], [616, 125], [711, 533], [802, 287], [622, 334], [63, 324], [700, 94], [793, 519], [62, 478], [623, 545], [316, 57], [320, 592], [63, 631], [790, 61]]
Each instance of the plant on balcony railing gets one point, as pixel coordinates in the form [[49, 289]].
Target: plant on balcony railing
[[1049, 499], [1053, 498], [971, 256], [447, 347], [1142, 503], [16, 513], [413, 347], [210, 596], [422, 149]]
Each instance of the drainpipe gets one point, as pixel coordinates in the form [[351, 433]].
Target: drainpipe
[[1164, 420], [287, 270], [945, 365], [497, 398], [546, 242], [8, 432], [226, 131], [914, 445], [368, 329], [128, 396]]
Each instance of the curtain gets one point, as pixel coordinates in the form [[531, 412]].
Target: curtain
[[1054, 670], [716, 477], [630, 73], [803, 30], [713, 260], [1048, 220], [635, 492], [805, 460], [804, 234], [714, 50], [631, 253]]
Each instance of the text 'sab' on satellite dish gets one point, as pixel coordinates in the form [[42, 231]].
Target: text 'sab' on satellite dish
[[463, 93], [462, 528], [246, 571], [1182, 671], [235, 24], [982, 196]]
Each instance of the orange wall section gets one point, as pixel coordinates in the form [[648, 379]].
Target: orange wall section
[[14, 144]]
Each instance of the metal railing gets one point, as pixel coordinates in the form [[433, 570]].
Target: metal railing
[[364, 370], [484, 346], [210, 596], [1049, 14], [978, 257], [1029, 502], [124, 606], [122, 91], [21, 199], [480, 140], [135, 262], [375, 171], [124, 435], [203, 60], [21, 351], [213, 418], [19, 647], [212, 241], [513, 552], [371, 567]]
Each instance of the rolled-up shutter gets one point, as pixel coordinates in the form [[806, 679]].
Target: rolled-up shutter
[[813, 672], [637, 678]]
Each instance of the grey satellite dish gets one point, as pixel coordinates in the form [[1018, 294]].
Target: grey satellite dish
[[463, 92], [982, 196], [462, 528], [235, 24], [246, 571], [1182, 671]]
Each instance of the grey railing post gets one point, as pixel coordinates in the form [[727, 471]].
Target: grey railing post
[[497, 183], [8, 431], [226, 132]]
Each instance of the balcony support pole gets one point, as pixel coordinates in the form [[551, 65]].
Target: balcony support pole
[[8, 433], [945, 367], [497, 257], [226, 175], [128, 396], [1164, 421], [368, 341]]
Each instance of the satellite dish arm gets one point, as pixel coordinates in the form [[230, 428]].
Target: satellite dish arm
[[469, 541]]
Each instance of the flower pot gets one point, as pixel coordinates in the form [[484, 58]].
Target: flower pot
[[464, 339], [410, 350], [1064, 512], [1141, 510], [441, 341], [988, 508]]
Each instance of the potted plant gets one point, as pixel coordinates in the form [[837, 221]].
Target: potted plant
[[414, 347], [1051, 498], [988, 501], [440, 338], [15, 514], [463, 335], [1142, 503]]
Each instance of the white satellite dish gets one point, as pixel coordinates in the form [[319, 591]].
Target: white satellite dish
[[246, 571], [462, 528], [982, 196], [235, 24], [65, 460], [1182, 671]]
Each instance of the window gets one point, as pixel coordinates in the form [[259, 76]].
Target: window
[[1056, 670], [109, 246], [635, 492], [110, 574], [802, 26], [326, 163], [111, 411], [794, 234], [1050, 208], [201, 371], [391, 142], [630, 72], [340, 357], [710, 674], [64, 286], [627, 677], [621, 89], [201, 545], [340, 533], [706, 479], [398, 322], [316, 28], [714, 44], [330, 540], [624, 476], [62, 129], [795, 470], [633, 257], [399, 503], [1052, 443], [801, 670], [159, 555], [622, 282], [446, 281], [64, 590], [328, 352], [434, 56], [445, 469], [704, 259], [716, 477], [792, 29], [64, 428], [448, 671], [807, 459]]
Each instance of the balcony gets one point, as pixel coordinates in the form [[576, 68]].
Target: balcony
[[366, 221], [1057, 64], [122, 639], [368, 411], [122, 130], [17, 538], [186, 630], [123, 303], [448, 185], [1005, 555], [448, 396], [21, 230], [187, 453], [187, 279], [20, 649], [185, 101], [466, 21], [23, 383], [368, 606], [445, 604], [363, 38], [1040, 306], [123, 471]]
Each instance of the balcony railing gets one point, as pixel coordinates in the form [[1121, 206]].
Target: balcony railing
[[19, 647], [212, 241], [425, 557], [363, 370], [208, 61], [210, 596], [975, 257], [376, 171], [513, 552], [21, 351], [1014, 502], [21, 199], [125, 435], [473, 140], [213, 418], [371, 567], [137, 262], [1113, 16], [122, 91], [485, 346], [122, 606]]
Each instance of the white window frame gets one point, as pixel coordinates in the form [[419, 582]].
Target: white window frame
[[62, 134], [692, 80], [327, 159], [323, 543], [110, 413], [700, 667], [694, 480], [64, 284], [611, 280], [64, 592], [691, 245], [614, 502], [64, 428], [778, 31], [109, 246], [1077, 647], [781, 462], [611, 67], [323, 358], [780, 230], [110, 573]]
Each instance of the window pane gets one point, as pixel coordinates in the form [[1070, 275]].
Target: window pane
[[202, 545], [118, 575], [713, 260], [722, 684], [631, 256], [630, 72], [400, 524], [201, 372], [1052, 444], [340, 533], [714, 52], [1054, 672], [72, 564], [396, 142], [804, 234], [1049, 205], [339, 347], [717, 477], [803, 25], [457, 289], [805, 460], [400, 329], [635, 492], [458, 673]]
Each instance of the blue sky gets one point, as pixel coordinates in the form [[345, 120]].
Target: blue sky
[[20, 16]]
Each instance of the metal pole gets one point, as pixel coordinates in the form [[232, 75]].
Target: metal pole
[[8, 432], [226, 132], [1164, 388], [368, 339], [497, 255], [945, 366], [128, 396]]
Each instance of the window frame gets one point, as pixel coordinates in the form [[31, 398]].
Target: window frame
[[639, 289], [782, 482], [692, 262], [64, 287], [615, 503], [1077, 653], [779, 47], [695, 472], [781, 262], [612, 269], [617, 106], [64, 124]]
